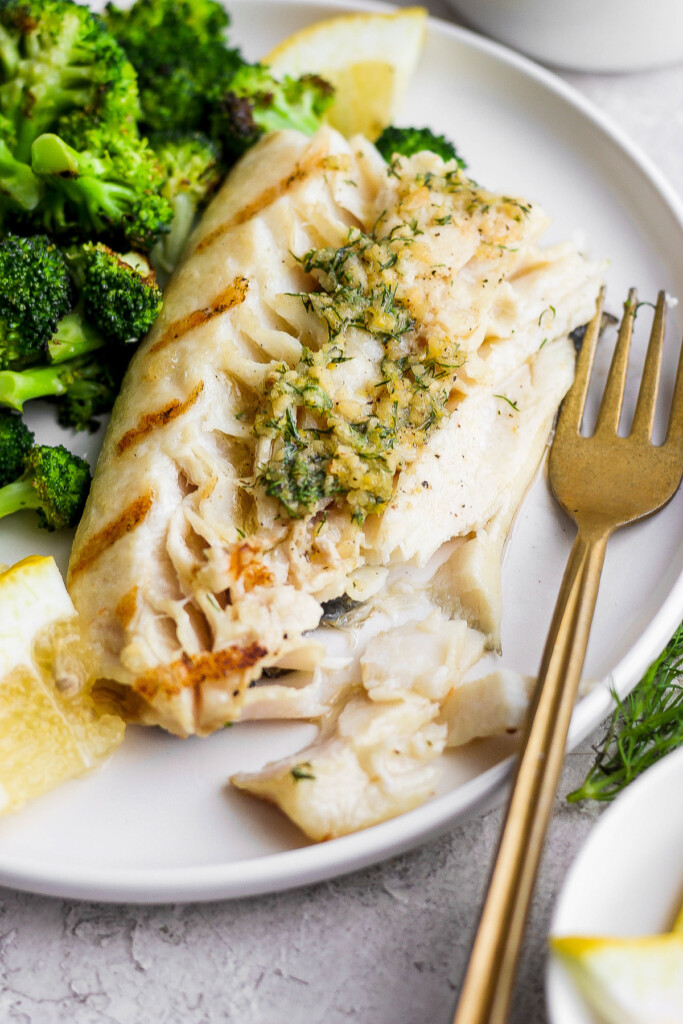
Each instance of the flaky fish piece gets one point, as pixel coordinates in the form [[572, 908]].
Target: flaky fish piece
[[296, 415]]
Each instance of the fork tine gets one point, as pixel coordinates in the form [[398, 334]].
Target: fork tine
[[647, 396], [571, 410], [674, 432], [610, 406]]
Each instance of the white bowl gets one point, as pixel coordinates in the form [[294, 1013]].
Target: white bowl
[[627, 878], [586, 35]]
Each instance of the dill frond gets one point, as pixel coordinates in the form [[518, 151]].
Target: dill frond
[[645, 726]]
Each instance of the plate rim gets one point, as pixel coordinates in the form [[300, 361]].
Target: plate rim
[[310, 864]]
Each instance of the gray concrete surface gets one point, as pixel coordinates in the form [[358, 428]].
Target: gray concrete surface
[[384, 946]]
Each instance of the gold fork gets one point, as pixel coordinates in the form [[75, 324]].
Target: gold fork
[[602, 482]]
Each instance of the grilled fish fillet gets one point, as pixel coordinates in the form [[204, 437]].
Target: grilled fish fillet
[[313, 407]]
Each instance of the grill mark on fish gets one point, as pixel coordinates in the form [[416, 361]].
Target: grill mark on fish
[[256, 575], [301, 171], [151, 420], [132, 516], [193, 670], [244, 566], [230, 297], [127, 606]]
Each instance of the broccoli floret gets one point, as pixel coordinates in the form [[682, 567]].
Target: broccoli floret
[[85, 387], [255, 102], [16, 441], [58, 57], [121, 298], [190, 79], [78, 357], [110, 189], [55, 483], [179, 51], [408, 141], [36, 291], [118, 300], [190, 163]]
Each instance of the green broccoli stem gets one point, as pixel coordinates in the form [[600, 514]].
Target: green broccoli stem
[[51, 155], [276, 118], [18, 182], [73, 337], [81, 177], [60, 81], [9, 54], [40, 382], [168, 250], [18, 495], [104, 200]]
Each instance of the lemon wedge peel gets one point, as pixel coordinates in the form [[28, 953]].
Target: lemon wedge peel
[[368, 58], [627, 980], [678, 923], [46, 737]]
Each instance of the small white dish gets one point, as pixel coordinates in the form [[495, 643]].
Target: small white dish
[[626, 881], [610, 35]]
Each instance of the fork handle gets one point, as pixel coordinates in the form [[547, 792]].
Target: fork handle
[[487, 988]]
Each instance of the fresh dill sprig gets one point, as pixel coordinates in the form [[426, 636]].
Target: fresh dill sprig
[[645, 726]]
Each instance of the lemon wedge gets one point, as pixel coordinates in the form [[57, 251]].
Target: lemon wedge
[[368, 58], [50, 727], [678, 923], [628, 981]]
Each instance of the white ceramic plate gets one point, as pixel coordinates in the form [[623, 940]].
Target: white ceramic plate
[[159, 823], [627, 879]]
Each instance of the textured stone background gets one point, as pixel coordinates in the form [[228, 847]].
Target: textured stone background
[[384, 946]]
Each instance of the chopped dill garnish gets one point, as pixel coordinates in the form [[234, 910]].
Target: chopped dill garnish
[[303, 770], [321, 450], [645, 726], [509, 401]]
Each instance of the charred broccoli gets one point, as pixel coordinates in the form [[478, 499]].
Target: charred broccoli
[[192, 80], [254, 102], [16, 441], [408, 141], [179, 51], [72, 161], [57, 57]]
